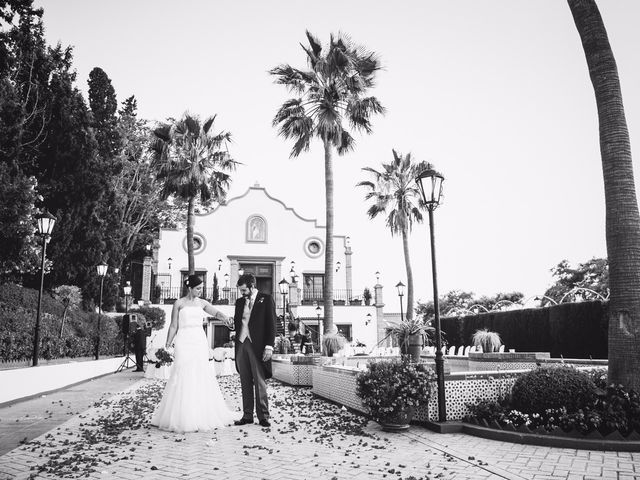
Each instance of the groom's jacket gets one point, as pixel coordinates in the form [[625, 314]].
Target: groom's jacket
[[262, 325]]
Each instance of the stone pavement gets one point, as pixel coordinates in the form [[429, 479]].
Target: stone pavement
[[309, 439]]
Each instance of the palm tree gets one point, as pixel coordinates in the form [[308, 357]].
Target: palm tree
[[331, 92], [622, 218], [191, 164], [395, 193]]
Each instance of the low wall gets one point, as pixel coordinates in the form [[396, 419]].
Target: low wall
[[338, 384], [20, 383]]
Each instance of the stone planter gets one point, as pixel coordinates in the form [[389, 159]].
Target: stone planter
[[398, 422]]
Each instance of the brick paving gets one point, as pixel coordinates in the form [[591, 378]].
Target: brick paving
[[309, 439]]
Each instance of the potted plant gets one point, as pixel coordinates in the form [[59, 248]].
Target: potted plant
[[488, 340], [411, 334], [392, 390], [333, 342], [366, 296]]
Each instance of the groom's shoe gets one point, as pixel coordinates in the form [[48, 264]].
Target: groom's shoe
[[264, 423], [243, 421]]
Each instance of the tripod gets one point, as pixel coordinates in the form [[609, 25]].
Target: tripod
[[127, 358]]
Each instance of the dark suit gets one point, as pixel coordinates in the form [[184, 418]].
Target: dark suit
[[253, 371], [139, 347]]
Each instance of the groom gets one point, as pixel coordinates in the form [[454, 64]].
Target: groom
[[255, 322]]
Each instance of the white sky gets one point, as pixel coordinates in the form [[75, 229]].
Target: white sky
[[495, 93]]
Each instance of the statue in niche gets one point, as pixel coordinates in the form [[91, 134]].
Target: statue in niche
[[256, 230]]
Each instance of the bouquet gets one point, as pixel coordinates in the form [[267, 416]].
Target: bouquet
[[164, 356]]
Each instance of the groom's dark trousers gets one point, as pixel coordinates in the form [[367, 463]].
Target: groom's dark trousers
[[261, 325]]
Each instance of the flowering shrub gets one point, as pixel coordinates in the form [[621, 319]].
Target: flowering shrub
[[608, 410], [391, 386]]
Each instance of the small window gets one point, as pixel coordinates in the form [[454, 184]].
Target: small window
[[345, 331], [313, 247], [199, 243]]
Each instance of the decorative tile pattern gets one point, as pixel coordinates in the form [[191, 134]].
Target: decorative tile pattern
[[292, 374]]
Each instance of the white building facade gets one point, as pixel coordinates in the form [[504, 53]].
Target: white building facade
[[258, 233]]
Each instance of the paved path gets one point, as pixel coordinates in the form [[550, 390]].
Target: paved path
[[309, 439]]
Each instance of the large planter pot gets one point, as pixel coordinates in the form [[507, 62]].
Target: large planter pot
[[397, 422], [413, 346]]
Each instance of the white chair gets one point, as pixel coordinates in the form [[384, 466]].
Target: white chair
[[460, 351], [501, 350], [452, 350], [467, 349]]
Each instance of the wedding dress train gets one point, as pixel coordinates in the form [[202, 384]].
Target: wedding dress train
[[192, 399]]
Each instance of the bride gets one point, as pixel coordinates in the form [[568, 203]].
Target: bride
[[192, 400]]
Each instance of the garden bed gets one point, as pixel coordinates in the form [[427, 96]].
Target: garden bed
[[553, 438]]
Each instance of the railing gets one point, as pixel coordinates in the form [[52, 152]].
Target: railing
[[230, 295]]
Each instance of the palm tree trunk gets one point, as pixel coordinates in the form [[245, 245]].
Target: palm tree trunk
[[407, 264], [328, 244], [64, 318], [622, 218], [190, 223]]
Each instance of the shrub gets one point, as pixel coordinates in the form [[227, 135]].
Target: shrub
[[333, 343], [552, 388], [155, 315], [489, 341], [391, 386]]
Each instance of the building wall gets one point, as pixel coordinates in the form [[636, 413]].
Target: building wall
[[226, 236]]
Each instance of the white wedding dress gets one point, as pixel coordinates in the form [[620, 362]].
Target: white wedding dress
[[192, 399]]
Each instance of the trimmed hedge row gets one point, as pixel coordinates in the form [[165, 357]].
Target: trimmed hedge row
[[18, 309], [570, 330]]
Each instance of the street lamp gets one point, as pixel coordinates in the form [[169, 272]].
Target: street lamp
[[226, 280], [368, 320], [377, 278], [219, 264], [45, 222], [102, 271], [430, 183], [338, 265], [400, 287], [127, 296], [284, 289], [320, 327]]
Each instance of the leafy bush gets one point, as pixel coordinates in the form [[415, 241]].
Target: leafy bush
[[391, 386], [551, 388], [609, 410], [332, 343], [18, 310], [155, 315]]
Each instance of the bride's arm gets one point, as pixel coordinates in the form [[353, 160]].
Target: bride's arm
[[214, 312], [173, 327]]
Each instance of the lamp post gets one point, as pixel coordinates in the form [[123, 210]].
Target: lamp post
[[45, 222], [127, 295], [320, 327], [377, 278], [368, 320], [284, 289], [400, 287], [102, 271], [430, 183]]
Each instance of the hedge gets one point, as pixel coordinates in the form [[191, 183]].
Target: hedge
[[570, 330], [18, 310]]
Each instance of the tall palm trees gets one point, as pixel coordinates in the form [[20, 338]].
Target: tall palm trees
[[191, 162], [622, 218], [330, 93], [395, 192]]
